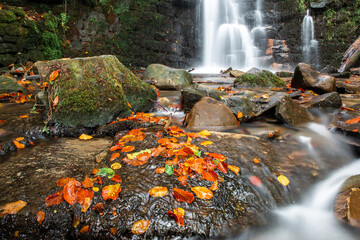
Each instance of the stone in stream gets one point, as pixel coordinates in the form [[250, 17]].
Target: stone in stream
[[9, 84], [210, 113], [292, 113], [236, 73], [168, 78], [343, 116], [306, 77], [93, 91], [284, 74], [259, 79], [325, 101]]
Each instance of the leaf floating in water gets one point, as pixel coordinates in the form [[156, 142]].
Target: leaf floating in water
[[204, 143], [40, 216], [12, 208], [283, 180], [53, 75], [158, 191], [178, 214], [256, 160], [140, 227], [202, 192], [111, 192], [183, 196], [255, 180], [85, 137], [353, 121]]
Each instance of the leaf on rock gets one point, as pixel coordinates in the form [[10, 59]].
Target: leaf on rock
[[256, 160], [116, 166], [239, 115], [70, 190], [183, 196], [160, 170], [223, 167], [115, 148], [217, 156], [158, 191], [214, 186], [82, 194], [55, 102], [19, 139], [86, 204], [18, 145], [128, 149], [283, 180], [353, 121], [157, 151], [255, 180], [40, 216], [85, 229], [204, 133], [169, 169], [235, 169], [116, 178], [12, 208], [202, 192], [87, 183], [210, 175], [134, 155], [114, 156], [111, 192], [53, 75], [204, 143], [63, 181], [140, 227], [54, 199], [85, 137], [24, 116], [178, 214], [106, 172]]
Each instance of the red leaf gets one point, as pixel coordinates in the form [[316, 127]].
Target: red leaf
[[116, 178], [128, 149], [157, 151], [223, 167], [255, 180], [82, 194], [63, 181], [99, 180], [54, 199], [178, 214], [210, 176], [111, 192], [183, 196], [217, 156], [70, 190], [87, 183], [115, 148]]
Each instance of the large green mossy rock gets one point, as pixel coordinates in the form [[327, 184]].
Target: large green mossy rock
[[94, 91], [260, 79], [8, 84], [168, 78]]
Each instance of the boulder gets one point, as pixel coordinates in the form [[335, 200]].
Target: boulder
[[8, 84], [351, 57], [93, 91], [290, 112], [210, 113], [306, 77], [324, 101], [259, 79], [236, 73], [168, 78], [342, 117]]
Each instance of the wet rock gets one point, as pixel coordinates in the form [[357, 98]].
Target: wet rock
[[8, 85], [306, 77], [325, 101], [208, 113], [344, 115], [329, 69], [244, 105], [191, 95], [355, 71], [168, 78], [259, 79], [284, 74], [351, 85], [351, 57], [236, 73], [290, 112], [93, 91], [254, 70]]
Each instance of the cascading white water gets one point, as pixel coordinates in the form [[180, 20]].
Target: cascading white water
[[227, 39], [309, 44]]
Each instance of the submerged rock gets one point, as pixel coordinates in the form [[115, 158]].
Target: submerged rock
[[93, 91], [209, 113], [168, 78], [259, 79], [292, 113], [306, 77]]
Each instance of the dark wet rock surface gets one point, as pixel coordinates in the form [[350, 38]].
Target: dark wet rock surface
[[325, 101], [292, 113]]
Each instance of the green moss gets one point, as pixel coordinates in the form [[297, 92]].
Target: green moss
[[52, 45], [7, 16], [261, 79]]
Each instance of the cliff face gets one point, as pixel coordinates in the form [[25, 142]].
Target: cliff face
[[141, 32]]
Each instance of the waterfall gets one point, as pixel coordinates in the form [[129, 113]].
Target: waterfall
[[227, 38], [309, 44]]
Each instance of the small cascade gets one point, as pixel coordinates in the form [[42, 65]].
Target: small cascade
[[227, 38], [309, 44]]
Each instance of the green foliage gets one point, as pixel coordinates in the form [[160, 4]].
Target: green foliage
[[121, 7]]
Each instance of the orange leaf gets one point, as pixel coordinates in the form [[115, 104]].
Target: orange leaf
[[85, 229], [82, 194], [12, 208], [178, 214], [53, 75], [128, 149], [54, 199], [256, 160], [255, 180], [160, 170], [24, 116], [55, 101], [196, 164], [95, 171], [19, 139], [239, 115], [163, 141], [115, 148], [116, 178], [157, 151], [223, 167], [63, 181], [113, 231], [202, 192], [214, 186], [18, 145], [111, 192], [114, 156], [183, 196], [217, 156], [40, 217], [140, 227], [353, 121], [235, 169], [129, 105], [86, 204], [87, 183], [210, 175], [70, 190], [158, 191], [3, 121]]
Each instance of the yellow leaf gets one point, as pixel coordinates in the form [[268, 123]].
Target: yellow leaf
[[12, 208], [140, 227], [202, 192], [116, 166], [235, 169], [85, 137], [206, 143], [283, 180], [179, 211], [95, 189], [239, 115], [204, 133], [158, 191], [222, 98]]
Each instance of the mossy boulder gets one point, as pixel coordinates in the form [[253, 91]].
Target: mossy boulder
[[93, 91], [259, 79], [168, 78], [8, 84]]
